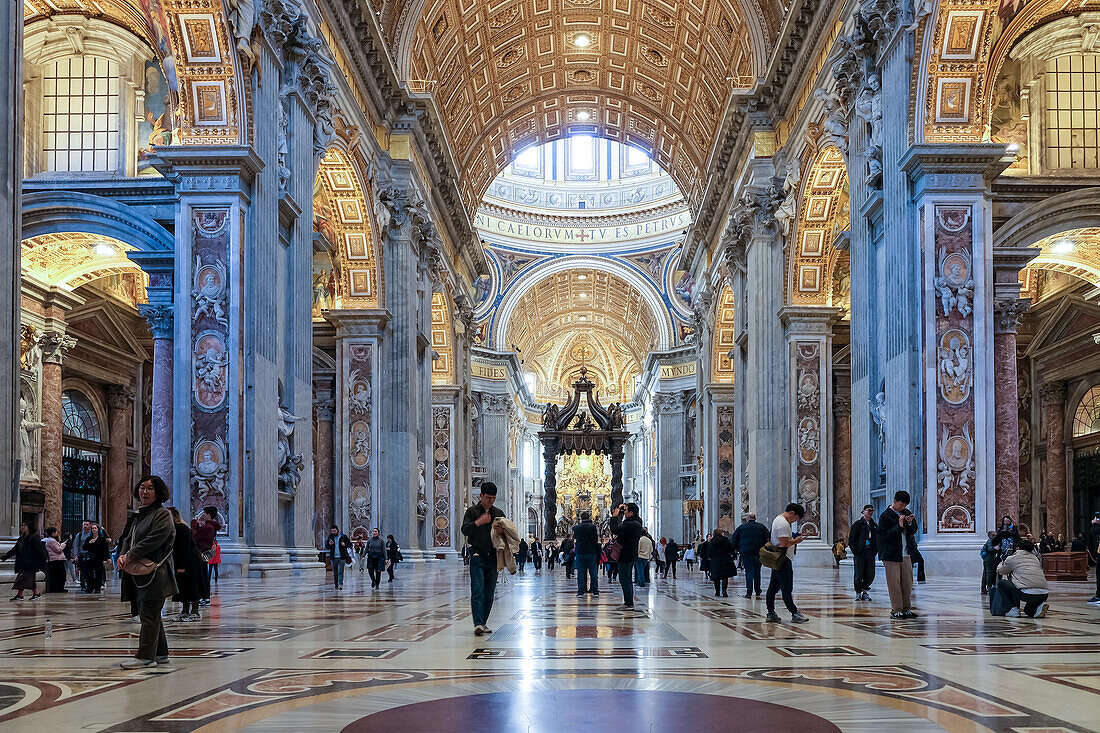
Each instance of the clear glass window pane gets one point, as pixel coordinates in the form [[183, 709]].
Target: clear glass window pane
[[81, 99]]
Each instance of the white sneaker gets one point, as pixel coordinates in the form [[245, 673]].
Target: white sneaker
[[486, 629], [136, 619], [1041, 611], [162, 666], [138, 664], [479, 630], [1013, 613]]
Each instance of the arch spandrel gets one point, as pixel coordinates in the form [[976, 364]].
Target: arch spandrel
[[443, 365], [822, 215], [725, 331]]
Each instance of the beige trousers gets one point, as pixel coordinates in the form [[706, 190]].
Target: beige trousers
[[899, 580]]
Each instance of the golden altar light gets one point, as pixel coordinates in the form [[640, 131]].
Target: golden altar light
[[584, 484]]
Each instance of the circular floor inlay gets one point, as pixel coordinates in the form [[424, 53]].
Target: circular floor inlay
[[542, 711]]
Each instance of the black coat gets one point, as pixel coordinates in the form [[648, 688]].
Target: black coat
[[672, 551], [392, 551], [344, 550], [721, 558], [586, 539], [480, 537], [185, 555], [29, 553], [95, 550], [628, 531], [863, 539], [892, 537], [750, 537]]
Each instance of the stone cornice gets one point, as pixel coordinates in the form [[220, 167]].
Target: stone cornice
[[954, 167], [579, 222], [358, 322]]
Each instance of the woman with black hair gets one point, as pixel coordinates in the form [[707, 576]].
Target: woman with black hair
[[148, 571], [393, 555]]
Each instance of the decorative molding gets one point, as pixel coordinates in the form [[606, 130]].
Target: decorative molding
[[161, 319], [1052, 393], [120, 397], [1007, 314], [54, 346]]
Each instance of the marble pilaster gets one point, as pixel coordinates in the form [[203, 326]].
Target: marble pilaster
[[11, 178], [1006, 314], [54, 345], [496, 411], [161, 319], [842, 462], [669, 424], [324, 415], [406, 227], [810, 379], [357, 496], [118, 492], [1052, 396]]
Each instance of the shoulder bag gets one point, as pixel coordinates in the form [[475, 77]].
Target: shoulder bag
[[772, 557], [613, 551]]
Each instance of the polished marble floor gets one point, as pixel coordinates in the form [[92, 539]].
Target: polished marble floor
[[294, 654]]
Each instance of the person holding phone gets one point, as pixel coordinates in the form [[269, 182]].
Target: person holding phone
[[626, 525], [477, 527], [896, 525]]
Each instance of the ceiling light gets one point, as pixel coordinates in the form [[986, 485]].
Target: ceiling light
[[582, 40], [583, 115], [582, 277], [582, 295], [582, 318], [104, 249], [1062, 247]]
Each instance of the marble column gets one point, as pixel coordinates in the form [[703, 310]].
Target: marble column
[[766, 411], [842, 462], [496, 410], [54, 344], [11, 171], [161, 319], [1052, 395], [118, 491], [670, 413], [324, 413], [1006, 314], [406, 227]]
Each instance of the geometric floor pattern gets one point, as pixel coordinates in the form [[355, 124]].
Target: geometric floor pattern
[[294, 654]]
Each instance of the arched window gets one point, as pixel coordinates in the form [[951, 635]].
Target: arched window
[[1086, 419], [78, 417], [95, 98]]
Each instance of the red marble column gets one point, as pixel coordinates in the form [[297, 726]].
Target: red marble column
[[161, 319], [54, 345], [1053, 397], [842, 464], [324, 510], [120, 401], [1006, 424]]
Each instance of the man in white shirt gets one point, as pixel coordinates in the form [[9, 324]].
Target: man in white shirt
[[782, 579]]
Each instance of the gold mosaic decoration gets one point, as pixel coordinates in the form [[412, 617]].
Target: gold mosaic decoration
[[653, 74], [73, 259], [1083, 261], [443, 368], [822, 215], [725, 331], [342, 213]]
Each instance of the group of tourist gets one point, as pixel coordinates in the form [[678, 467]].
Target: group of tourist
[[373, 554]]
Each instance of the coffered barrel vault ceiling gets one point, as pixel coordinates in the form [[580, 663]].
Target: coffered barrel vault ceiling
[[611, 318], [655, 74]]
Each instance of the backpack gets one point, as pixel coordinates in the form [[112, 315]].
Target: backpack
[[999, 603]]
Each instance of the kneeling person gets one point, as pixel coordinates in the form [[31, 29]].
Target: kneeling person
[[1022, 579]]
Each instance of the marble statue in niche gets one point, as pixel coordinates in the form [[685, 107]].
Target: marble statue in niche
[[955, 468], [290, 463], [878, 417], [421, 492], [787, 211], [868, 107], [1023, 392], [833, 123], [954, 366], [208, 292], [28, 426], [1024, 428], [953, 285]]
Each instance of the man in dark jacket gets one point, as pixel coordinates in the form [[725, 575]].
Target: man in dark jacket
[[672, 556], [477, 527], [587, 543], [626, 525], [747, 541], [567, 546], [863, 542], [896, 524], [338, 547]]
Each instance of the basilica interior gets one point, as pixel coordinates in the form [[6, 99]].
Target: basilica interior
[[322, 262]]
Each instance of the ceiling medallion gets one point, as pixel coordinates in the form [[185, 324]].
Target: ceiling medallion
[[657, 16], [504, 17], [515, 93], [654, 57], [509, 57]]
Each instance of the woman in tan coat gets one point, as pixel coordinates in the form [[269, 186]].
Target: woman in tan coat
[[151, 538]]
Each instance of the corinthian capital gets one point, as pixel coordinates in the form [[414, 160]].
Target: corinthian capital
[[160, 318], [1007, 314], [1052, 393], [54, 345], [119, 397]]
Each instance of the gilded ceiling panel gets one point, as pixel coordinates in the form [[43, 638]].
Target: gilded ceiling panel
[[653, 74]]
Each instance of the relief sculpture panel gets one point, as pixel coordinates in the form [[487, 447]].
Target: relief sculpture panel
[[441, 475], [808, 447], [360, 439]]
